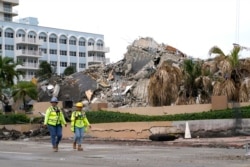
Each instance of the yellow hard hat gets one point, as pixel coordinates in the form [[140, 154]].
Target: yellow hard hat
[[79, 104]]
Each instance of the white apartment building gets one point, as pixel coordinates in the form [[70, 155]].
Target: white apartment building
[[27, 42]]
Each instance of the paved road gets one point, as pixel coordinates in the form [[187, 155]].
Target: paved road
[[39, 154]]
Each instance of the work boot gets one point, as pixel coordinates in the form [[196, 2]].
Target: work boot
[[55, 149], [79, 148], [74, 145]]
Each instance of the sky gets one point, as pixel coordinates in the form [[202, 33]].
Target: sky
[[192, 26]]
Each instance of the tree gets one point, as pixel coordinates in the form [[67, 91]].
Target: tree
[[23, 90], [69, 70], [8, 71], [45, 71], [8, 74], [191, 71], [164, 85], [230, 83]]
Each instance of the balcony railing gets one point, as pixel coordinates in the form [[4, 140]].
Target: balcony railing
[[98, 49], [26, 40], [33, 66], [11, 11], [27, 78], [29, 53], [96, 59]]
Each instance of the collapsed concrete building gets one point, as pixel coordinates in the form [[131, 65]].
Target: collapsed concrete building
[[121, 84]]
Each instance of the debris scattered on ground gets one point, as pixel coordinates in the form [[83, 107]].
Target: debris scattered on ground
[[6, 134]]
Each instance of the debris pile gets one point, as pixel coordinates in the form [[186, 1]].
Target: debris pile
[[121, 84], [6, 134]]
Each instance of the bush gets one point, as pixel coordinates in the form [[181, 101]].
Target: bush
[[110, 116], [14, 119]]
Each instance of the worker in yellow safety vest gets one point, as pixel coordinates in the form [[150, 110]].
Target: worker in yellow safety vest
[[54, 120], [79, 125]]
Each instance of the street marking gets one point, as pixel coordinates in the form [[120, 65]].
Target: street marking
[[3, 152]]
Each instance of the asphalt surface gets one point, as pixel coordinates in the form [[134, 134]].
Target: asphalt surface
[[107, 153]]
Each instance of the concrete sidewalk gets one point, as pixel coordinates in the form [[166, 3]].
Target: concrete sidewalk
[[227, 142]]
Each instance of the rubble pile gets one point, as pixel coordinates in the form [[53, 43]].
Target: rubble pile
[[121, 84], [6, 134]]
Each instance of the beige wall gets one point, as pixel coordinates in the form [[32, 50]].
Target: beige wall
[[129, 130], [170, 110], [164, 110]]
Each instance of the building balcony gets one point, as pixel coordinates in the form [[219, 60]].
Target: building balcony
[[13, 2], [95, 59], [98, 49], [29, 53], [29, 41], [28, 66], [9, 11]]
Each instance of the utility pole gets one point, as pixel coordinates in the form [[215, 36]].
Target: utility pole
[[237, 25]]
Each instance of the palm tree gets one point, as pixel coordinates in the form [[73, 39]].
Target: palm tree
[[8, 74], [164, 85], [23, 90], [191, 71], [230, 83], [8, 71]]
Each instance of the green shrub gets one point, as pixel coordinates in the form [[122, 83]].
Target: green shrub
[[109, 116], [14, 119]]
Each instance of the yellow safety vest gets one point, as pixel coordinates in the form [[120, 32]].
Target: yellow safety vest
[[79, 119], [53, 117]]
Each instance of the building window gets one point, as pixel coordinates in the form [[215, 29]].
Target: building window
[[7, 17], [81, 43], [63, 52], [63, 64], [53, 51], [72, 42], [43, 38], [73, 65], [71, 53], [31, 36], [52, 40], [44, 50], [9, 47], [31, 73], [81, 54], [20, 35], [100, 44], [9, 34], [90, 43], [20, 47], [53, 63], [90, 54], [100, 55], [63, 41], [82, 65]]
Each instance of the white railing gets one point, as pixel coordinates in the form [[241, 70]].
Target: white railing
[[29, 66], [10, 10], [96, 59], [98, 48], [28, 78], [29, 40], [33, 65], [31, 53]]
